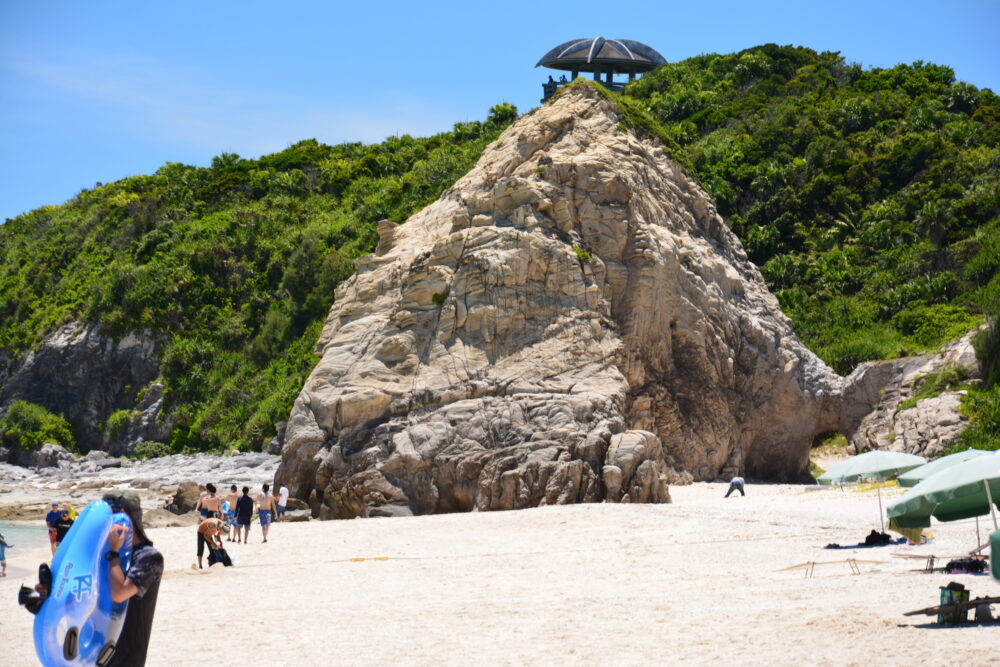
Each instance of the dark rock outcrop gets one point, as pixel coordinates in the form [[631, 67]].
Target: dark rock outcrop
[[85, 376]]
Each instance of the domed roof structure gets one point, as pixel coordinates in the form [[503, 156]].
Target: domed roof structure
[[605, 55], [601, 56]]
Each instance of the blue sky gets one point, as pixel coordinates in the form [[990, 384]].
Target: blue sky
[[96, 91]]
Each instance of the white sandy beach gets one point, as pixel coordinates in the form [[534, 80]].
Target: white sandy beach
[[693, 582]]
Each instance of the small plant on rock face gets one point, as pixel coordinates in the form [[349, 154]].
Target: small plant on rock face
[[582, 254], [119, 419], [540, 171], [438, 299]]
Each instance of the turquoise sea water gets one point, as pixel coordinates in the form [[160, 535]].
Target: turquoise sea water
[[26, 536]]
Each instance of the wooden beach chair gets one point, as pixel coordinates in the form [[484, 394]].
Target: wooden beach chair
[[811, 565]]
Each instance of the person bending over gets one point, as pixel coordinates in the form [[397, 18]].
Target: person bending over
[[208, 533], [736, 484], [140, 585]]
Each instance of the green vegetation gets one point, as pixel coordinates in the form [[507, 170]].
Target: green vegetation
[[982, 404], [119, 420], [439, 299], [148, 450], [29, 426], [869, 199], [582, 254], [232, 267], [947, 378]]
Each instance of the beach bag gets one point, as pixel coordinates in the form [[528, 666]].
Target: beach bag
[[219, 556]]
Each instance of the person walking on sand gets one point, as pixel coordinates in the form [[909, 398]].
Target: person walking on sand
[[266, 509], [231, 512], [736, 484], [209, 533], [209, 505], [50, 520], [244, 513], [282, 502], [3, 555]]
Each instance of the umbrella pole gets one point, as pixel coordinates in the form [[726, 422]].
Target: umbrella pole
[[978, 540], [989, 498], [880, 517]]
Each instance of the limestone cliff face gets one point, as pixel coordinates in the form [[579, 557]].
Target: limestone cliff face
[[926, 428], [571, 322], [86, 376]]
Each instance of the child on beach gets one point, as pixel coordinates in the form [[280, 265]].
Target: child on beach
[[3, 555]]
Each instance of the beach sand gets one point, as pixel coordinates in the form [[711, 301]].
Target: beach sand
[[693, 582]]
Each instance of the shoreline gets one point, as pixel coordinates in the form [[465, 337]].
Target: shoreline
[[25, 493]]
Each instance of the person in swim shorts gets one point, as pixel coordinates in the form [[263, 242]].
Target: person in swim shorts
[[209, 505], [266, 511], [231, 512], [244, 514]]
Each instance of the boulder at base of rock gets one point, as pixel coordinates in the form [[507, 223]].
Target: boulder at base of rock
[[161, 518], [186, 497], [298, 515], [47, 456]]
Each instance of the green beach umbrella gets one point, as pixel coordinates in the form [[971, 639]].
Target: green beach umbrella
[[917, 475], [963, 491], [874, 464]]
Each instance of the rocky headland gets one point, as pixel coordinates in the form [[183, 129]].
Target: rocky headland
[[571, 322]]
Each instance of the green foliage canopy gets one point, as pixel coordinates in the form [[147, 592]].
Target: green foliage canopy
[[28, 426], [231, 268], [869, 198]]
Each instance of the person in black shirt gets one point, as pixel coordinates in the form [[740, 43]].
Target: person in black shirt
[[244, 513], [140, 585], [63, 524]]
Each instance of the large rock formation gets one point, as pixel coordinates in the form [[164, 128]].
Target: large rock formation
[[925, 428], [571, 322]]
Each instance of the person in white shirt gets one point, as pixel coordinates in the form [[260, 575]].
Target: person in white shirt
[[282, 502]]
